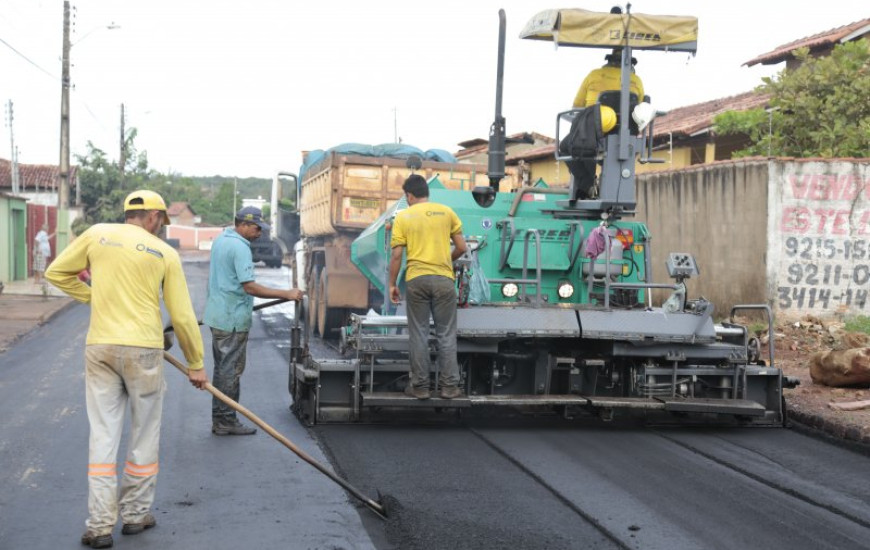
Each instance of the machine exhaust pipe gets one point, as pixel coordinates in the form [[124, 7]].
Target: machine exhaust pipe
[[485, 196]]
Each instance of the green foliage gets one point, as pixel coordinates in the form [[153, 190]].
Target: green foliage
[[819, 109], [861, 323], [757, 327], [103, 187]]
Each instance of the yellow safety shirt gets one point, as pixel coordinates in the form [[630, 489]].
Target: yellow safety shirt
[[604, 79], [424, 229], [129, 266]]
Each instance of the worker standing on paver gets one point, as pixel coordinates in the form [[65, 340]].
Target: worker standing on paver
[[129, 267], [423, 232]]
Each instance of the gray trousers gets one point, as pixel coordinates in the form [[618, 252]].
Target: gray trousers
[[229, 350], [435, 296]]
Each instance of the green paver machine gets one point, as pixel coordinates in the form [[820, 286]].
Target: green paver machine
[[555, 312]]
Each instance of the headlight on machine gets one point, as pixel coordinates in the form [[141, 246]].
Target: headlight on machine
[[509, 290], [565, 290]]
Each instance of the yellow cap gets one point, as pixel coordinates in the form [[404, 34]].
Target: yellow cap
[[144, 199], [608, 119]]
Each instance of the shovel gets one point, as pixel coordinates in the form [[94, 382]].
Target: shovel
[[376, 507]]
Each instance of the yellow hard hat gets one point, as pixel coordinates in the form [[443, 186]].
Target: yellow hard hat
[[144, 199], [608, 119]]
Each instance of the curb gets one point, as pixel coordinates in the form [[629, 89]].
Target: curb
[[845, 434], [35, 323]]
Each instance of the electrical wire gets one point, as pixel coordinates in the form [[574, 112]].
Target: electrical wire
[[11, 47]]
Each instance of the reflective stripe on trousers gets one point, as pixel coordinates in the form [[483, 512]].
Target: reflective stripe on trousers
[[115, 376], [433, 295]]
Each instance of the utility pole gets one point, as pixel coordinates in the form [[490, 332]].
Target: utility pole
[[14, 165], [122, 158], [63, 169]]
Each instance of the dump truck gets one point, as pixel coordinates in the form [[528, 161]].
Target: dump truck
[[339, 192]]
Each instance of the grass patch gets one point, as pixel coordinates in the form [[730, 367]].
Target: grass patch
[[758, 328], [861, 323]]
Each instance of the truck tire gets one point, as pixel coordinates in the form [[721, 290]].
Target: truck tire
[[328, 318]]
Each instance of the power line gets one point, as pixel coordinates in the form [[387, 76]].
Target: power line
[[8, 45]]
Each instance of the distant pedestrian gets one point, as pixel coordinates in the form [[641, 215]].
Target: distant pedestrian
[[130, 269], [41, 252], [228, 312], [425, 230]]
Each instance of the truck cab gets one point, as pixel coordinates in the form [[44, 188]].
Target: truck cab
[[264, 249]]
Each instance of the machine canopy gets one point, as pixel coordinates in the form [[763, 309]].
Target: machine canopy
[[589, 29]]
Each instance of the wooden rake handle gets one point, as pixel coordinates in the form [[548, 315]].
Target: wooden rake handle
[[374, 506]]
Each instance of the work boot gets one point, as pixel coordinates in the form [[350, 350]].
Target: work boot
[[450, 392], [232, 428], [97, 541], [419, 393], [135, 528]]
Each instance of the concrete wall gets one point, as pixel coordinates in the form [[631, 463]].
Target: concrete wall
[[791, 233], [718, 213], [193, 237], [819, 237]]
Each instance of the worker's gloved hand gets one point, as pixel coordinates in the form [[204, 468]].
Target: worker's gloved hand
[[198, 378]]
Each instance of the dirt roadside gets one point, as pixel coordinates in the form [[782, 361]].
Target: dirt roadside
[[809, 404]]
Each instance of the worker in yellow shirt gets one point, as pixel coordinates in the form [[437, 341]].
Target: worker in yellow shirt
[[129, 268], [607, 78], [425, 230]]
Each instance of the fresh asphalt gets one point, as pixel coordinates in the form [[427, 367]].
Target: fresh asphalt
[[499, 480]]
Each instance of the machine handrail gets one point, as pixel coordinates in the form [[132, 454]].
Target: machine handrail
[[572, 254], [766, 309], [510, 243], [538, 272]]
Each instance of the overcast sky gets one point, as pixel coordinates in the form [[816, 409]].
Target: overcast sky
[[238, 88]]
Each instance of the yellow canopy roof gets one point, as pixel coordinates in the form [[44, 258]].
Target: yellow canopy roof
[[576, 27]]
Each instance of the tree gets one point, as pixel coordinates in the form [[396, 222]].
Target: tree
[[819, 109], [103, 186]]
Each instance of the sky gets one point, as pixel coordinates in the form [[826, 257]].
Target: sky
[[232, 88]]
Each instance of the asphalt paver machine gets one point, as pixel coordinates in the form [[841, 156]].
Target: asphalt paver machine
[[555, 310]]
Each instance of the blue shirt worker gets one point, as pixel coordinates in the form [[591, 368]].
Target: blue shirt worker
[[425, 230], [228, 310]]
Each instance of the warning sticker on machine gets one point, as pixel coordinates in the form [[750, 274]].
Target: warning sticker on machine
[[534, 197]]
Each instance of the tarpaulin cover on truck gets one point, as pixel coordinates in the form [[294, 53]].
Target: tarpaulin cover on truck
[[390, 150], [582, 28]]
